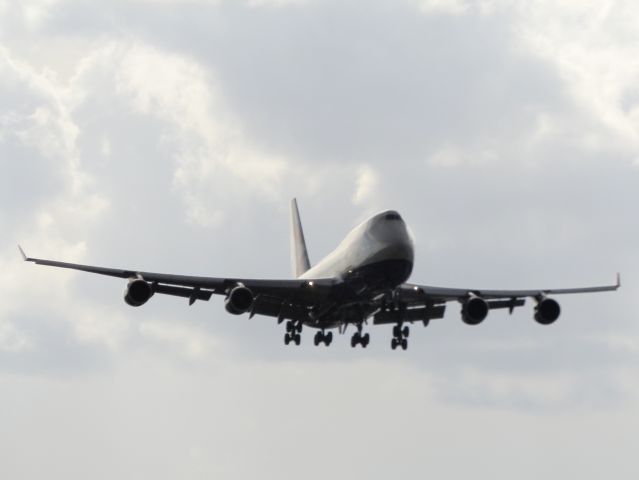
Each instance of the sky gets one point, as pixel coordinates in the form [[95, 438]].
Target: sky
[[170, 136]]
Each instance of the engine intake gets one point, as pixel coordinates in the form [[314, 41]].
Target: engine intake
[[239, 300], [547, 311], [475, 310], [138, 292]]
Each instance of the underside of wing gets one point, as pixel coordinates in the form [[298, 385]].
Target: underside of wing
[[444, 294], [427, 302], [277, 298]]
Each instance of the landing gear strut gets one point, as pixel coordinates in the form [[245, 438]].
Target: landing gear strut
[[323, 337], [400, 335], [359, 338], [293, 330]]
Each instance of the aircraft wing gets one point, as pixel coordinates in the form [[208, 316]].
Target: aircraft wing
[[424, 302], [271, 296], [444, 294]]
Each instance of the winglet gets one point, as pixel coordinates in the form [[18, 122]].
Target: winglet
[[618, 279], [24, 255]]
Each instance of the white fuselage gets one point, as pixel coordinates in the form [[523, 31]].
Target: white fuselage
[[381, 244]]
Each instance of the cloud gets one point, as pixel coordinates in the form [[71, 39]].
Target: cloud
[[447, 7], [170, 136], [367, 183]]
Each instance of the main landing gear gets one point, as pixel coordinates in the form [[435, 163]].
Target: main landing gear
[[359, 339], [400, 335], [323, 337], [293, 330]]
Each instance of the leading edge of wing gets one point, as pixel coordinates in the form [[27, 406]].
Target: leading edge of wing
[[445, 294], [218, 285]]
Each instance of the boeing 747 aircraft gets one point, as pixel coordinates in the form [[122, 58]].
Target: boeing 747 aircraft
[[363, 278]]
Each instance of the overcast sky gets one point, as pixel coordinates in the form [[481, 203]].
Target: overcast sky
[[170, 135]]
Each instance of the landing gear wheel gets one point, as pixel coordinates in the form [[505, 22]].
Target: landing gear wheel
[[287, 339], [366, 338], [319, 338], [289, 326], [400, 334], [328, 338], [355, 339], [298, 327], [297, 338], [397, 332]]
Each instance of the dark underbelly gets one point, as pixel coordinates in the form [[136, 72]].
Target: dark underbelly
[[382, 275]]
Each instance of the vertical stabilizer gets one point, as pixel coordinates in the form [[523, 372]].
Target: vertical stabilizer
[[299, 255]]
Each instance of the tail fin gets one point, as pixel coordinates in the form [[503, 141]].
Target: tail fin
[[299, 255]]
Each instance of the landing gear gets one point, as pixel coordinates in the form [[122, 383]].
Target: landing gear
[[293, 327], [295, 338], [359, 339], [322, 337], [400, 335], [293, 330]]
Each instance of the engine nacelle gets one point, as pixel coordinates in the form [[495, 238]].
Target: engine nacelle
[[138, 292], [547, 311], [475, 310], [239, 300]]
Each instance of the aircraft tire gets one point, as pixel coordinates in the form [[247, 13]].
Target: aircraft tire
[[405, 331], [394, 343], [318, 338], [328, 338], [297, 338], [404, 344], [366, 340], [287, 339]]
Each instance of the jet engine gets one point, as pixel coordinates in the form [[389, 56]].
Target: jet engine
[[547, 311], [239, 300], [474, 310], [138, 292]]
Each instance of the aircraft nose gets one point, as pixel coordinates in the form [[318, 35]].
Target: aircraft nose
[[389, 227], [391, 215]]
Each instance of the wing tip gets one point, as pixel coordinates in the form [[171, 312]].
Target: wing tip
[[618, 280], [24, 255]]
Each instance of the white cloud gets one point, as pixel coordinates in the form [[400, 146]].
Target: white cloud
[[211, 152], [446, 7], [367, 184], [188, 342], [452, 156], [275, 3], [11, 339], [590, 44]]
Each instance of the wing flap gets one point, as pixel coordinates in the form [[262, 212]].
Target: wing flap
[[410, 315]]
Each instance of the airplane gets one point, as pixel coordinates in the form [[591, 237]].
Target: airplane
[[363, 279]]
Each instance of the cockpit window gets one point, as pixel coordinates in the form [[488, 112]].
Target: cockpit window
[[392, 216]]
